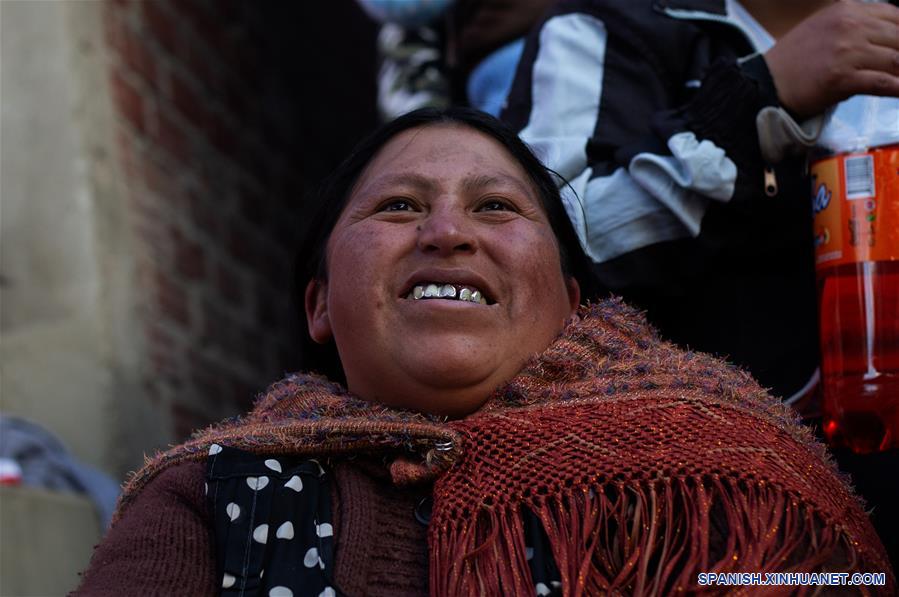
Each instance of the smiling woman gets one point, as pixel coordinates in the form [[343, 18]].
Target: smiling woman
[[443, 209], [492, 437]]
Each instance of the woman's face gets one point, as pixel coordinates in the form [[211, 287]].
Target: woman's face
[[445, 208]]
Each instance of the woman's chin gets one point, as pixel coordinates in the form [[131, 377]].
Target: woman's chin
[[454, 370]]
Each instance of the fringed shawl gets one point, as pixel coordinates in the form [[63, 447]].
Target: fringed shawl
[[646, 465]]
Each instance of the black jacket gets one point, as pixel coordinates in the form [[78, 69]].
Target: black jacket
[[652, 111]]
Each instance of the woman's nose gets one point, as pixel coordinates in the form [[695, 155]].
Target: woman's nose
[[446, 232]]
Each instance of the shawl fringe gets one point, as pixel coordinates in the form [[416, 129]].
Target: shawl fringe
[[651, 538]]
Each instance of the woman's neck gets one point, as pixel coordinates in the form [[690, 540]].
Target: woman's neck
[[778, 16]]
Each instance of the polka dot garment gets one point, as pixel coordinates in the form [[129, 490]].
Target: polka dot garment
[[274, 535], [272, 523]]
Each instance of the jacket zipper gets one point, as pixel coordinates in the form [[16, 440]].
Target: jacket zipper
[[770, 181]]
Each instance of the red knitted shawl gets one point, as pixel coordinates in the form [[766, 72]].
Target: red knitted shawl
[[646, 465]]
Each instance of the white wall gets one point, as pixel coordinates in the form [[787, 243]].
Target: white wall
[[69, 341]]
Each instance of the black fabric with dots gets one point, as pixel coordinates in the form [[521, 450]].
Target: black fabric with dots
[[273, 528], [274, 534]]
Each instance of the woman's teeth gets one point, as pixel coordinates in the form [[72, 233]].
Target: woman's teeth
[[447, 291]]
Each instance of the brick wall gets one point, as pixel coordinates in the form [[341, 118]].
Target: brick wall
[[210, 150]]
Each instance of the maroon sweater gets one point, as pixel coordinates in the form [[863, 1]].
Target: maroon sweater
[[163, 544]]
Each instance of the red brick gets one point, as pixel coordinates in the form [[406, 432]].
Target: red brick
[[161, 25], [162, 348], [242, 245], [220, 330], [205, 216], [127, 153], [237, 98], [244, 394], [288, 357], [188, 101], [253, 206], [243, 60], [161, 180], [128, 100], [273, 265], [172, 300], [190, 257], [230, 286], [266, 311], [208, 378], [186, 420], [172, 138], [282, 229], [256, 161], [221, 136], [273, 309], [254, 350], [135, 55], [197, 61], [206, 27], [149, 228], [229, 11]]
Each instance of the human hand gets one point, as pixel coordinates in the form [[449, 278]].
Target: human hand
[[846, 49]]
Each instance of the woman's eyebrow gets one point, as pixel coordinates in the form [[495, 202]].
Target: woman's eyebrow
[[391, 181], [476, 183]]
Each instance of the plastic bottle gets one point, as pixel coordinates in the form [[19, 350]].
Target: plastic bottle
[[855, 195]]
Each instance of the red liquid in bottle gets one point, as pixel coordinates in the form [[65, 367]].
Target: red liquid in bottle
[[856, 206], [859, 324]]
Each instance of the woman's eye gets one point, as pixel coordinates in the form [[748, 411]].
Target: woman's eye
[[397, 205], [495, 205]]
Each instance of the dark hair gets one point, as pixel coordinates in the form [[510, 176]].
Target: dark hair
[[311, 262]]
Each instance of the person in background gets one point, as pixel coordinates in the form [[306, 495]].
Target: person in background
[[449, 52], [683, 129], [492, 437]]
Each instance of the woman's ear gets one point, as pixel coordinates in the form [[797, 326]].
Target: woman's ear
[[574, 293], [317, 311]]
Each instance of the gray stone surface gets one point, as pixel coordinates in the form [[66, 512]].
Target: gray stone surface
[[48, 539]]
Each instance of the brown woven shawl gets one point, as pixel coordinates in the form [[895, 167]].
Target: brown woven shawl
[[646, 465]]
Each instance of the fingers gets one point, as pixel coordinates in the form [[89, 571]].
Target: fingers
[[871, 82], [878, 58], [883, 11], [884, 31], [846, 49]]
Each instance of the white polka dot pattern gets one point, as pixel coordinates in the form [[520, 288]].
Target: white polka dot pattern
[[260, 533], [311, 559], [285, 531], [295, 483], [285, 499], [257, 483]]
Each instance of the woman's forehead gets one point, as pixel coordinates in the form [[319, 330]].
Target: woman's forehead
[[424, 155]]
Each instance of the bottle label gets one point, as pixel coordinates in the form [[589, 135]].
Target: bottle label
[[855, 202]]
